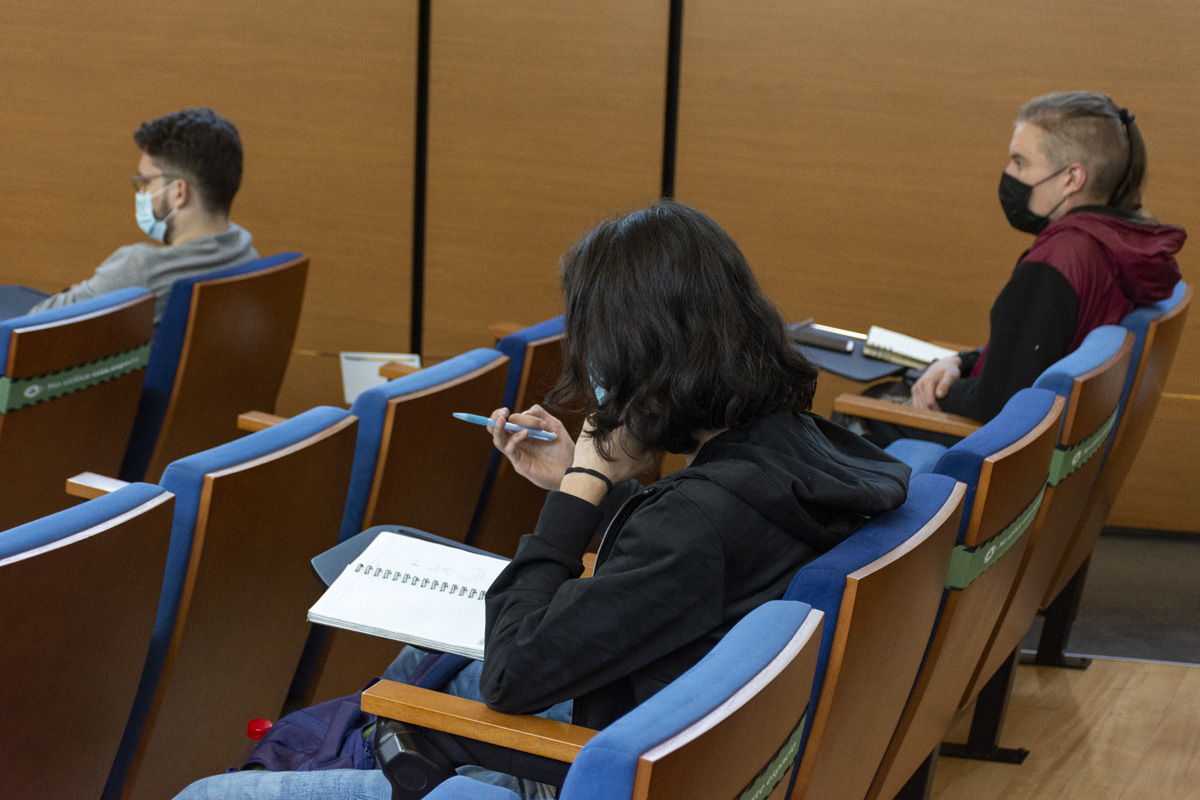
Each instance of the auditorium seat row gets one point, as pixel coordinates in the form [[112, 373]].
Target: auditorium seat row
[[914, 623], [84, 388]]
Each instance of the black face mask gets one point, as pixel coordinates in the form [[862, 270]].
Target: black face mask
[[1014, 199]]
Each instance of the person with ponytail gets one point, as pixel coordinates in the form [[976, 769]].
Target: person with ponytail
[[1074, 178]]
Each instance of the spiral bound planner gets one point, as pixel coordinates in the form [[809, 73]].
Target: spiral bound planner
[[421, 593]]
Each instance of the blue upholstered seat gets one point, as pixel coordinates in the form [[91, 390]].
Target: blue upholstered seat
[[508, 504], [78, 518], [56, 314], [822, 582], [78, 590], [1059, 377], [165, 354], [1138, 322], [606, 766], [70, 379], [371, 409], [186, 479], [514, 346]]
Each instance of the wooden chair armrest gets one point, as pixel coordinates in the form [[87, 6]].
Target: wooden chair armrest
[[455, 715], [589, 565], [89, 485], [253, 421], [498, 330], [933, 421], [394, 369]]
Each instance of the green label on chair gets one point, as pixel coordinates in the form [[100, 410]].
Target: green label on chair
[[1068, 459], [21, 392], [775, 770], [968, 563]]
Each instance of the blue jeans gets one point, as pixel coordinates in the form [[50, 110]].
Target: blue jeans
[[350, 784]]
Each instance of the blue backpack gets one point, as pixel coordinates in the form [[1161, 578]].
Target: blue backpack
[[337, 734]]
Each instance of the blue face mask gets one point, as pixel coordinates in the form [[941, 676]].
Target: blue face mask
[[599, 390], [143, 205]]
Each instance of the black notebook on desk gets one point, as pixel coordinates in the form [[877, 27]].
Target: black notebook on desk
[[853, 364]]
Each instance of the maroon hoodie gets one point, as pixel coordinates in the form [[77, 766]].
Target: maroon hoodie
[[1113, 263], [1089, 268]]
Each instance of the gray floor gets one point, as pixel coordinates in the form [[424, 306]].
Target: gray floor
[[1142, 599]]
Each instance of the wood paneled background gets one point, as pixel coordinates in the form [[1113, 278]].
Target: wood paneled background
[[852, 147]]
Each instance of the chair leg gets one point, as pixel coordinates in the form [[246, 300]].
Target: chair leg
[[1056, 629], [983, 741], [920, 785]]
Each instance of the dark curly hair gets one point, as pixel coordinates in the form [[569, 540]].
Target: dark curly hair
[[202, 147], [665, 316]]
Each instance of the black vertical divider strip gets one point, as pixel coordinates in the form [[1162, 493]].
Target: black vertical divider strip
[[671, 118], [420, 152]]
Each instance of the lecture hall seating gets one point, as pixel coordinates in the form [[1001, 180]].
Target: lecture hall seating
[[78, 593], [880, 591], [1004, 465], [733, 717], [70, 380], [221, 348], [230, 626]]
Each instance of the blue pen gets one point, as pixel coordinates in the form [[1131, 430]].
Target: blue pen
[[511, 427]]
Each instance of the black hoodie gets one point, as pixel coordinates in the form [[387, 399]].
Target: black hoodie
[[681, 561]]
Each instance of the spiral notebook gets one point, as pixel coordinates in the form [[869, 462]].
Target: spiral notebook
[[896, 348], [421, 593]]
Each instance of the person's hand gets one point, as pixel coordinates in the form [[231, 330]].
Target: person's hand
[[541, 463], [935, 382], [630, 459]]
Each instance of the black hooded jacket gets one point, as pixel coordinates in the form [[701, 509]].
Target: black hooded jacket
[[680, 563]]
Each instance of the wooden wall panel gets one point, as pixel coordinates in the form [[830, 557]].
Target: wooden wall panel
[[853, 148], [544, 118], [322, 95]]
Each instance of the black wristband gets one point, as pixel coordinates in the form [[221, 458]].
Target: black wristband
[[594, 474]]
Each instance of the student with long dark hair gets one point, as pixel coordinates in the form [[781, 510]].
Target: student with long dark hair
[[670, 345]]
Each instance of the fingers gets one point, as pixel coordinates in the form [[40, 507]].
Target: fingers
[[943, 385], [921, 394]]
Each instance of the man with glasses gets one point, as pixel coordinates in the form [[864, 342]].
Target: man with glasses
[[189, 172]]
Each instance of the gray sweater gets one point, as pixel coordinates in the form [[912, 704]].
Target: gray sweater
[[155, 267]]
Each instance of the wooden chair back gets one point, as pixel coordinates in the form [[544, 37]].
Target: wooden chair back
[[1005, 502], [1090, 412], [231, 356], [882, 628], [250, 515], [77, 614], [1150, 376], [429, 462], [510, 507], [723, 752], [425, 464], [49, 440]]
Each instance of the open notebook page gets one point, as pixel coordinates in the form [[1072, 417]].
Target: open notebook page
[[418, 592]]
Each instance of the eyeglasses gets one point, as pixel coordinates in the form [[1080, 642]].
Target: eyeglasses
[[141, 182]]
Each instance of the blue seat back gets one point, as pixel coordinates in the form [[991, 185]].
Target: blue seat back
[[165, 354], [78, 590], [606, 766], [1099, 346], [964, 460], [514, 346], [186, 479], [822, 582], [371, 408], [68, 522], [57, 314]]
